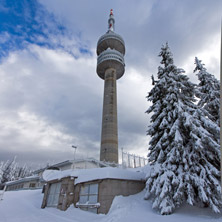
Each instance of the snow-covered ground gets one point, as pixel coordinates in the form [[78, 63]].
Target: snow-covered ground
[[24, 206]]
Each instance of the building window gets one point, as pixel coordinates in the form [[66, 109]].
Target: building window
[[32, 185], [53, 195], [88, 198], [20, 186]]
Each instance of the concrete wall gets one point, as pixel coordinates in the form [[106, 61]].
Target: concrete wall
[[110, 188], [66, 194]]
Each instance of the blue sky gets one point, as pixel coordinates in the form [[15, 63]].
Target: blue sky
[[50, 95], [24, 22], [28, 22]]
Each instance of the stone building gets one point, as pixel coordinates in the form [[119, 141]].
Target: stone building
[[90, 189]]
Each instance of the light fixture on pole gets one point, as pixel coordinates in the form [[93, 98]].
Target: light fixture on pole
[[75, 147]]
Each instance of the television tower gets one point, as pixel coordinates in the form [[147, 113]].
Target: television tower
[[110, 67]]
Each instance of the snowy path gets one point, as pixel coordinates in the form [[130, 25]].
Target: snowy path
[[24, 206]]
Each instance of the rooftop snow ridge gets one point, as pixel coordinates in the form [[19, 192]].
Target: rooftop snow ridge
[[84, 175], [34, 177]]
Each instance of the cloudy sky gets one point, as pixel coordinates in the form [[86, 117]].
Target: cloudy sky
[[50, 95]]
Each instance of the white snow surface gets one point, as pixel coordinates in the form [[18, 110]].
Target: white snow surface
[[25, 206], [84, 175]]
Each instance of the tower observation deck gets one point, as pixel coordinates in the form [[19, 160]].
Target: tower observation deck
[[110, 67]]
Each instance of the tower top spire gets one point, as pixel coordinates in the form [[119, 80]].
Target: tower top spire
[[111, 21]]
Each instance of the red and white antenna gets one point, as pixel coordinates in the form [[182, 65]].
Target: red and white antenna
[[111, 21]]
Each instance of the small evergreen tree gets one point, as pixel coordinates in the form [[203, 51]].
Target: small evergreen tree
[[1, 170], [23, 172], [183, 170], [6, 176], [10, 171], [208, 91]]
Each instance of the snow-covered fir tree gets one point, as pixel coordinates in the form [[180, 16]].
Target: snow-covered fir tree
[[184, 152], [1, 170], [7, 169], [208, 91]]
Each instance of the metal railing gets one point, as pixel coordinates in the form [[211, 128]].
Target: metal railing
[[110, 54]]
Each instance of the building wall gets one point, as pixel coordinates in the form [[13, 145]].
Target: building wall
[[79, 165], [66, 193], [109, 188], [24, 185], [17, 186], [65, 167], [85, 165], [46, 190]]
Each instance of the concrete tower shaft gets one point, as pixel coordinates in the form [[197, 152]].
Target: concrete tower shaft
[[110, 67], [109, 137]]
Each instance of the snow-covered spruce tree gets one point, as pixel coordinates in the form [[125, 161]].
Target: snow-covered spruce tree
[[6, 172], [208, 91], [22, 172], [183, 151], [10, 171], [1, 170]]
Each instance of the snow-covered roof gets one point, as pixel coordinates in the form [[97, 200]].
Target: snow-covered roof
[[69, 162], [84, 175], [26, 179]]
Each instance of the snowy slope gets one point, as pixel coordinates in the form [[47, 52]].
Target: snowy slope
[[24, 206]]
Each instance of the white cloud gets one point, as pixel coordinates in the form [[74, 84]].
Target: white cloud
[[209, 55], [47, 94], [33, 130], [4, 37], [52, 98]]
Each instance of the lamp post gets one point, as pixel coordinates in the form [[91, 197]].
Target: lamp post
[[75, 147], [122, 157]]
